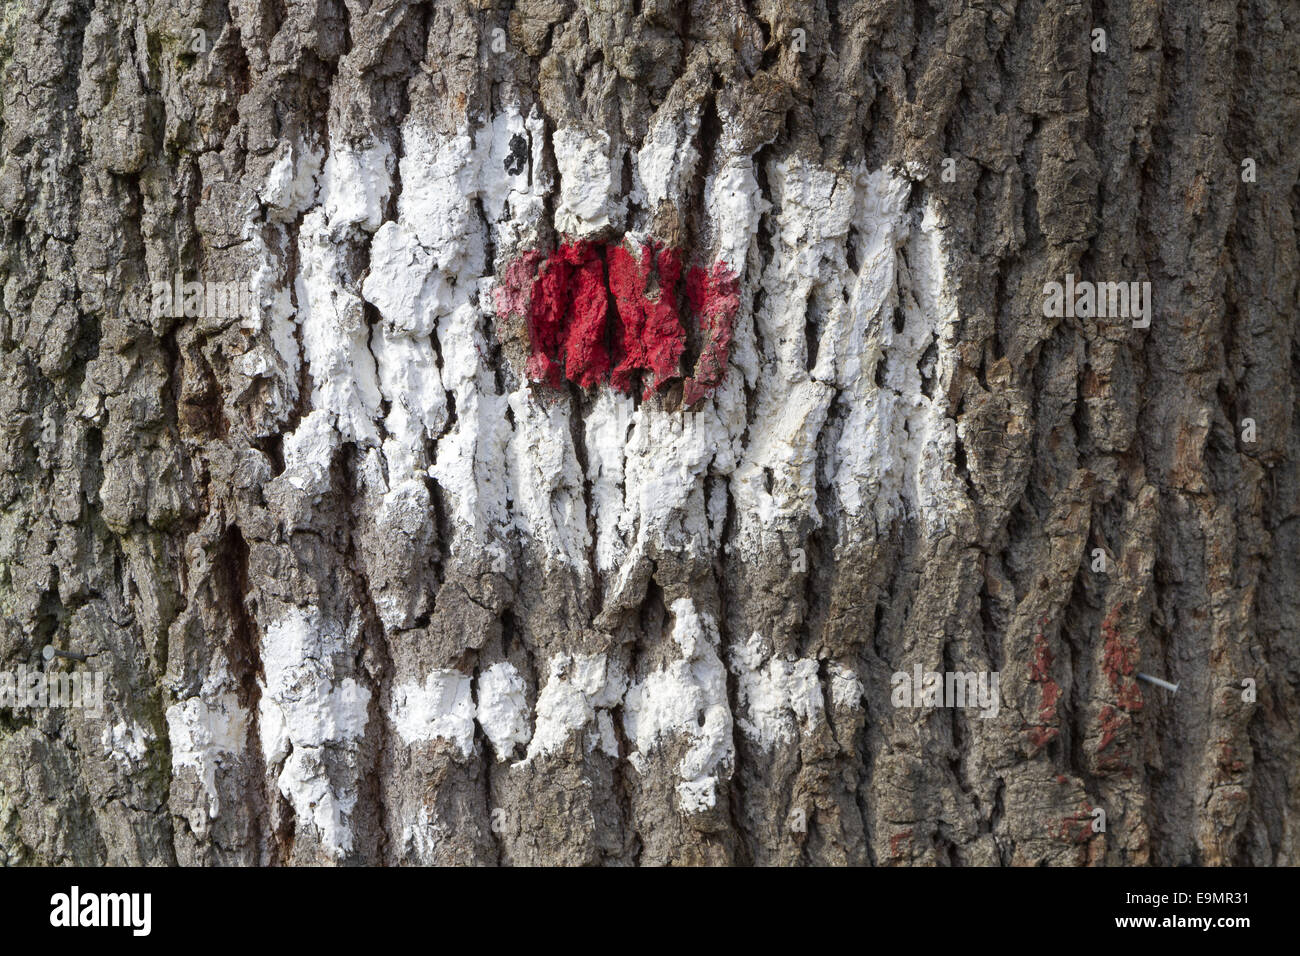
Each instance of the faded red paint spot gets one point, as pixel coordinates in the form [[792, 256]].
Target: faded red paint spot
[[514, 296], [1077, 827], [1117, 661], [896, 842], [1040, 737], [564, 300], [715, 298], [1111, 722], [1228, 763], [1040, 673]]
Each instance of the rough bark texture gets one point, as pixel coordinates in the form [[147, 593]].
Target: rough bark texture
[[363, 593]]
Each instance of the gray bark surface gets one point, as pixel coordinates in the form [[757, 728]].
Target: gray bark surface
[[288, 587]]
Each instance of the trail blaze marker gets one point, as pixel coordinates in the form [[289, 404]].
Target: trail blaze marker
[[577, 333]]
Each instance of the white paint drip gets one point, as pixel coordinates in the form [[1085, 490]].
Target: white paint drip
[[207, 732]]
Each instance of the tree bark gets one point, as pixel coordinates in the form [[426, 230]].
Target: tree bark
[[363, 589]]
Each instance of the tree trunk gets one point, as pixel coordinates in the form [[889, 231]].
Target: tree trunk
[[571, 432]]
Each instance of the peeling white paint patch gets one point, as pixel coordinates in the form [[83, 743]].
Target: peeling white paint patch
[[846, 690], [931, 303], [590, 182], [510, 200], [439, 183], [206, 732], [601, 736], [666, 161], [335, 336], [893, 455], [866, 465], [888, 442], [697, 796], [404, 283], [735, 207], [648, 469], [546, 480], [607, 426], [774, 485], [417, 268], [309, 451], [686, 698], [356, 184], [273, 314], [450, 186], [443, 708], [291, 185], [126, 742], [354, 188], [289, 191], [542, 474], [420, 837], [503, 708], [577, 688], [298, 658], [418, 265], [311, 719], [668, 456], [471, 459], [414, 264], [305, 782], [402, 509], [777, 698]]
